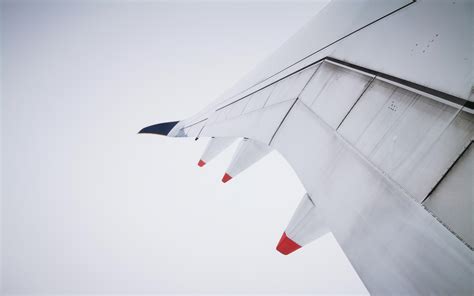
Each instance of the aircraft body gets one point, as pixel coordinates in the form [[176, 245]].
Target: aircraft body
[[372, 105]]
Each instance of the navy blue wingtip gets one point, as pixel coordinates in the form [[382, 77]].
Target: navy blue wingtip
[[159, 129]]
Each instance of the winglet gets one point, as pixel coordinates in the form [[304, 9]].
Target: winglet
[[159, 129]]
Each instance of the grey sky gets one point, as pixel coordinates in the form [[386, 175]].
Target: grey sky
[[89, 206]]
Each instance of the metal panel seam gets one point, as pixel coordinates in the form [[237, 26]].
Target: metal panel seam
[[324, 47], [362, 156], [447, 171], [411, 86], [355, 103], [284, 117], [384, 175]]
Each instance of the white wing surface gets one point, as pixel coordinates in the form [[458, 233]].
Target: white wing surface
[[372, 105]]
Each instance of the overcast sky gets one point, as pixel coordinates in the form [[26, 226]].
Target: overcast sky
[[89, 206]]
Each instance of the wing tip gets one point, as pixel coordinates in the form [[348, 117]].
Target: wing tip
[[159, 129]]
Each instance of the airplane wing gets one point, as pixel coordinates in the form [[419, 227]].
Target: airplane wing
[[372, 105]]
